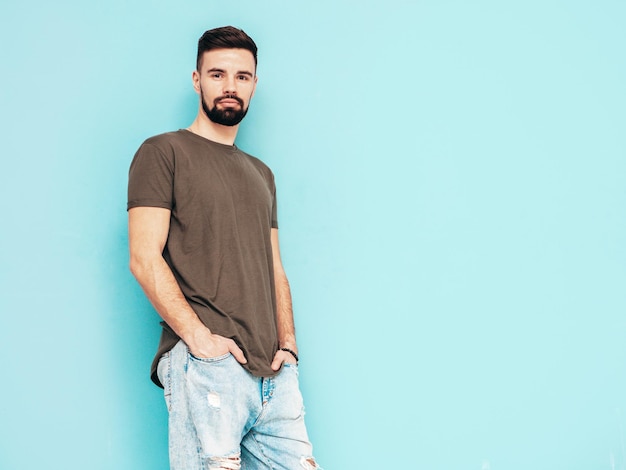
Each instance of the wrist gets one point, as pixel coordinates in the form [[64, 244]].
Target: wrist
[[292, 352], [289, 342], [198, 338]]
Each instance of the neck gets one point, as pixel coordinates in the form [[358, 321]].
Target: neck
[[206, 128]]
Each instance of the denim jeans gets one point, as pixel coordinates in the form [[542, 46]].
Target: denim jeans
[[223, 417]]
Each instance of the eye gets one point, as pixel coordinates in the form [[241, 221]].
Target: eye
[[243, 77], [216, 75]]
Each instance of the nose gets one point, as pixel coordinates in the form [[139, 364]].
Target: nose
[[230, 86]]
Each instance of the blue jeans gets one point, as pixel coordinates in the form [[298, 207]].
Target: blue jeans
[[223, 417]]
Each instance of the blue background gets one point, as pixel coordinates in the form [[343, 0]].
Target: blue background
[[452, 209]]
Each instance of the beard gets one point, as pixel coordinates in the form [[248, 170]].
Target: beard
[[225, 116]]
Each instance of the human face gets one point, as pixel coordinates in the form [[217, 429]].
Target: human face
[[225, 82]]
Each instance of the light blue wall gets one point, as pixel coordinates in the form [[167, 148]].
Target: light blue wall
[[452, 203]]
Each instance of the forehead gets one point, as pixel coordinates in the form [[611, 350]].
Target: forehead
[[239, 59]]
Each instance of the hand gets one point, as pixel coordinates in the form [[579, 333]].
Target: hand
[[282, 357], [206, 345]]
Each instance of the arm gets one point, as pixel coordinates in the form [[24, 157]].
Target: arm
[[284, 311], [147, 233]]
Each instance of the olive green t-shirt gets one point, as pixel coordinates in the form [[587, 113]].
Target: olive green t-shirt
[[223, 207]]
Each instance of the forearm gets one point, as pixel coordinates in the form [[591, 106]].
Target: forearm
[[284, 313], [160, 286]]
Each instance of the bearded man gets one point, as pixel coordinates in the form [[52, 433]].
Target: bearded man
[[203, 236]]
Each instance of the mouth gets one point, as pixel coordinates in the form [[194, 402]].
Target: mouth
[[231, 102]]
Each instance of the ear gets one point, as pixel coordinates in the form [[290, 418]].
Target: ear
[[256, 79], [195, 80]]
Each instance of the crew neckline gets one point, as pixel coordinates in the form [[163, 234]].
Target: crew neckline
[[204, 139]]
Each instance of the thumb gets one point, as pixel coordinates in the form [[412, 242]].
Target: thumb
[[237, 353], [276, 363]]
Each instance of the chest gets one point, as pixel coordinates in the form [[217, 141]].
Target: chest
[[230, 185]]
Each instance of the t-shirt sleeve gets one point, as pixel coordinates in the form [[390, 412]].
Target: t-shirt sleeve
[[272, 183], [274, 210], [151, 178]]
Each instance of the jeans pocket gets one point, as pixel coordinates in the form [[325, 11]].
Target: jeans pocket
[[287, 366], [164, 372], [209, 360]]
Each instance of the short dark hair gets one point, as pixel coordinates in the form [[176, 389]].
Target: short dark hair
[[226, 37]]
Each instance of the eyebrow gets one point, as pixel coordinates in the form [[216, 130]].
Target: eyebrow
[[241, 72]]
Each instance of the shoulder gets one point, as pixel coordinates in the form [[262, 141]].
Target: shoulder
[[165, 142], [164, 146], [156, 153]]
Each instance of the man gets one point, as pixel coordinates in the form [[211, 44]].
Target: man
[[203, 238]]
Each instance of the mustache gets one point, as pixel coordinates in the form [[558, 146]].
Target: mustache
[[229, 97]]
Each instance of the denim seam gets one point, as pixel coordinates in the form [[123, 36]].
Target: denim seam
[[268, 462], [168, 375]]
